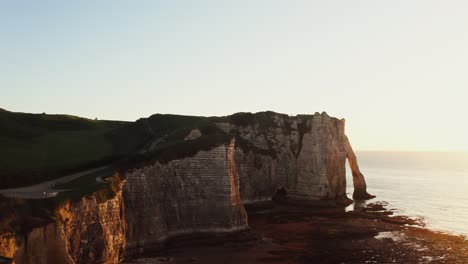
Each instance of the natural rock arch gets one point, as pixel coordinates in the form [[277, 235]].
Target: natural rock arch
[[360, 187]]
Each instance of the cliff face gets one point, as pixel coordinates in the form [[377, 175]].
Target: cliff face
[[7, 245], [193, 194], [94, 232], [303, 155], [84, 232], [198, 184]]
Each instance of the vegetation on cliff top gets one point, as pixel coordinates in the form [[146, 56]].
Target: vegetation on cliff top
[[262, 119], [39, 147]]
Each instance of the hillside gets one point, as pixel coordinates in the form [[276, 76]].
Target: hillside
[[36, 147], [39, 147]]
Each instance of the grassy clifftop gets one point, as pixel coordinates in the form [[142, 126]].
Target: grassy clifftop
[[35, 147], [39, 147]]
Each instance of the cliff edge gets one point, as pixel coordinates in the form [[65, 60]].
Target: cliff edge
[[303, 156], [185, 175]]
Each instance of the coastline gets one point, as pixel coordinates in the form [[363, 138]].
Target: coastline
[[288, 233]]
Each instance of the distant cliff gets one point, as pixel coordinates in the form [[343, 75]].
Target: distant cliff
[[194, 175]]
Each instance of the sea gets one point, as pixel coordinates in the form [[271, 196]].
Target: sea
[[429, 185]]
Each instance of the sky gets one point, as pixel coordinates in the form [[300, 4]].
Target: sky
[[395, 70]]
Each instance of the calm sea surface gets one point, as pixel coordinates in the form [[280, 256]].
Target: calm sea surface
[[431, 185]]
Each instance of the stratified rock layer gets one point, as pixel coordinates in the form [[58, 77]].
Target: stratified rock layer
[[193, 194], [202, 190], [306, 155], [84, 232]]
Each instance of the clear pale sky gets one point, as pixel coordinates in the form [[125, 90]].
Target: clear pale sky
[[396, 70]]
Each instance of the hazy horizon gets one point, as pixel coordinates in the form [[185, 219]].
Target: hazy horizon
[[394, 70]]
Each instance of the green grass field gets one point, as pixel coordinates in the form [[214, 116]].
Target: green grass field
[[54, 150], [35, 147]]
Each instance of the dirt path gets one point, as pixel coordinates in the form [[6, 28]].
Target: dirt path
[[46, 189]]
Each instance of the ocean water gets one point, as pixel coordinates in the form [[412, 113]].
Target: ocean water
[[431, 185]]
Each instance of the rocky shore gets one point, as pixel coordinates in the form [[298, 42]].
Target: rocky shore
[[179, 189], [305, 233]]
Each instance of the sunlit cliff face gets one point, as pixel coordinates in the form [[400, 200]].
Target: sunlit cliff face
[[235, 160]]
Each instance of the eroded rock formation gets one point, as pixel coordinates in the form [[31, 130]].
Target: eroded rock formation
[[305, 154], [193, 194], [360, 187], [202, 189], [84, 232]]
